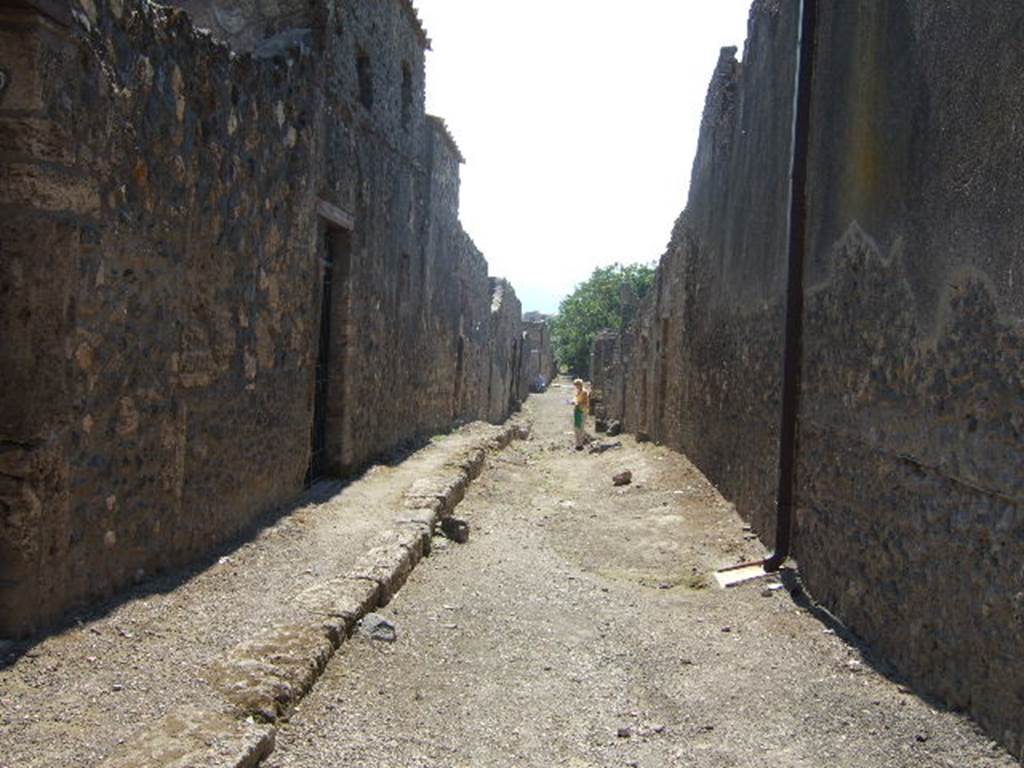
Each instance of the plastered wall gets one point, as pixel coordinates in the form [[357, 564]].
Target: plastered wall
[[910, 515]]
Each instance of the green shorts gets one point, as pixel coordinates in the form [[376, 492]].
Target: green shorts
[[577, 417]]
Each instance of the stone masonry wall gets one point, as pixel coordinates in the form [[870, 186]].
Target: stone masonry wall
[[539, 357], [168, 209], [910, 504], [504, 379], [605, 375], [702, 357]]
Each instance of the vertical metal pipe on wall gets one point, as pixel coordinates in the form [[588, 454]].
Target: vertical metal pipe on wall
[[785, 497]]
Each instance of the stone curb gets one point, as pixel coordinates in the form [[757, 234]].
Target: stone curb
[[197, 738], [262, 678]]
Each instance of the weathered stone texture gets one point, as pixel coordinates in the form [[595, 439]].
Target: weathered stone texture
[[913, 377], [161, 270], [505, 368], [539, 357], [910, 494], [702, 355], [605, 375]]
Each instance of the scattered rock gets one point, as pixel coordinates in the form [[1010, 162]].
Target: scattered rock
[[622, 478], [602, 447], [643, 437], [600, 425], [375, 627], [455, 529], [624, 732], [614, 428]]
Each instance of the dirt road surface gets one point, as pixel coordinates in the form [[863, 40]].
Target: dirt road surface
[[72, 698], [579, 627]]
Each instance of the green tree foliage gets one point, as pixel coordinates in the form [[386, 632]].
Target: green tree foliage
[[592, 307]]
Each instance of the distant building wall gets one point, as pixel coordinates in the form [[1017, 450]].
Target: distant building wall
[[539, 356], [169, 211], [910, 518]]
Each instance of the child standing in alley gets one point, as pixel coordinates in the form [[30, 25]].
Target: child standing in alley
[[581, 403]]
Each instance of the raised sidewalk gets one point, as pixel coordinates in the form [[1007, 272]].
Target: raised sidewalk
[[197, 670]]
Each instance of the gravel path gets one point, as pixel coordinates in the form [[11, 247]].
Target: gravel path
[[578, 627], [70, 698]]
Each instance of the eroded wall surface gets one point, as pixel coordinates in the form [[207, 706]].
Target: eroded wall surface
[[910, 488], [539, 360], [702, 358], [605, 375], [505, 375], [164, 242], [911, 478]]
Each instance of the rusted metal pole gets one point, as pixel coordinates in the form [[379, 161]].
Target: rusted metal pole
[[797, 226]]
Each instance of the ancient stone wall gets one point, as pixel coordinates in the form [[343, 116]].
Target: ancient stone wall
[[539, 357], [910, 504], [505, 376], [170, 213], [605, 375]]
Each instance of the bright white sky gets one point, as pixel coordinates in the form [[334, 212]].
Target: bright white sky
[[578, 120]]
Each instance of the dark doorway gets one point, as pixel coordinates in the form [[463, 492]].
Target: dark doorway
[[364, 75], [335, 270], [514, 374]]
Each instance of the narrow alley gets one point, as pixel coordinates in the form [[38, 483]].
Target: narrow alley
[[288, 473], [580, 626]]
